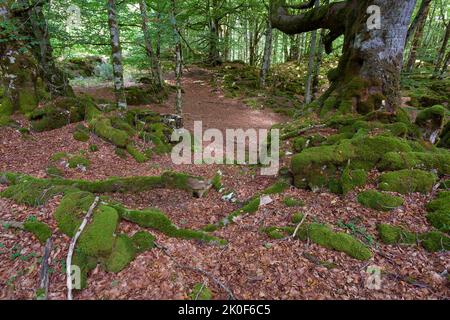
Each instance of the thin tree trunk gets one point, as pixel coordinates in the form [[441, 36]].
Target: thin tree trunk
[[178, 61], [422, 18], [445, 66], [119, 84], [318, 64], [443, 49], [312, 56], [156, 64], [267, 55]]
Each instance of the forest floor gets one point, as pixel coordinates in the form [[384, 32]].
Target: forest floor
[[252, 266]]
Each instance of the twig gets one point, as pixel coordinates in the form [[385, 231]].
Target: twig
[[73, 242], [198, 270], [298, 226], [43, 274]]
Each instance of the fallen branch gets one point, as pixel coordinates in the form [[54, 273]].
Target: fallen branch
[[299, 225], [73, 242], [198, 270], [43, 273]]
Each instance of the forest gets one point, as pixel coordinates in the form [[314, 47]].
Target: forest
[[224, 150]]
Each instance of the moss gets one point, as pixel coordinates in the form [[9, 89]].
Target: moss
[[41, 230], [59, 156], [136, 154], [352, 178], [407, 181], [292, 202], [158, 134], [93, 148], [143, 241], [277, 187], [71, 211], [299, 144], [103, 128], [435, 114], [121, 152], [54, 172], [28, 101], [157, 220], [395, 235], [444, 139], [217, 182], [439, 212], [435, 241], [122, 254], [85, 263], [297, 217], [5, 120], [336, 138], [98, 237], [379, 201], [200, 292], [416, 160], [82, 136], [76, 161]]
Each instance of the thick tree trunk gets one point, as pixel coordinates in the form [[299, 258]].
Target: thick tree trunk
[[421, 19], [18, 68], [155, 62], [214, 25], [119, 84], [267, 55], [368, 75]]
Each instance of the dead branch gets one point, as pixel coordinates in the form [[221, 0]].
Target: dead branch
[[298, 226], [43, 273], [73, 242]]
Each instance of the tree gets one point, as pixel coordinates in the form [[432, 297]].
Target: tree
[[443, 49], [178, 60], [368, 75], [267, 55], [119, 85]]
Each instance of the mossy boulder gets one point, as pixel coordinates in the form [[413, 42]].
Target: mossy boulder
[[98, 237], [379, 201], [104, 129], [81, 133], [435, 241], [396, 235], [41, 230], [122, 254], [78, 161], [139, 156], [416, 160], [408, 181], [351, 179], [439, 212]]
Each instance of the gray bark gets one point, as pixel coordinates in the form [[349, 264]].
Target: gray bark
[[267, 55]]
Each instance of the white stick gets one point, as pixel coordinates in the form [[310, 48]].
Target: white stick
[[298, 226], [73, 242]]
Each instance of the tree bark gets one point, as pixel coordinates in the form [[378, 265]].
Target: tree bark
[[368, 75], [443, 49], [155, 62], [312, 56], [421, 19], [178, 61], [267, 55], [119, 84]]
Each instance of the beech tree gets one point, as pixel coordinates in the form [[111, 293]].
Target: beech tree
[[368, 75]]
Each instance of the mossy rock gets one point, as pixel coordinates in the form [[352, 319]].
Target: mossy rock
[[292, 202], [416, 160], [408, 181], [379, 201], [98, 237], [351, 179], [71, 211], [122, 254], [200, 292], [85, 263], [435, 241], [143, 241], [433, 116], [104, 129], [78, 161], [139, 156], [299, 144], [41, 230], [439, 212], [81, 134], [396, 235], [54, 172]]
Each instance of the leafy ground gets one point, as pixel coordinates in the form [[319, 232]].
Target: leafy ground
[[252, 265]]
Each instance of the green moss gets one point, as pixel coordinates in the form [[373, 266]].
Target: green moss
[[439, 212], [104, 129], [299, 144], [4, 120], [297, 218], [143, 241], [41, 230], [157, 220], [71, 211], [28, 101], [59, 156], [54, 172], [93, 148], [379, 201], [200, 292], [435, 114], [435, 241], [407, 181], [276, 188], [416, 160], [292, 202], [395, 235], [136, 154], [82, 136], [351, 179], [121, 152], [76, 161], [85, 264], [122, 254], [98, 237], [217, 182]]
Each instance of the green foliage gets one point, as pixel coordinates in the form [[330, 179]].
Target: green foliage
[[407, 181], [379, 201], [200, 292]]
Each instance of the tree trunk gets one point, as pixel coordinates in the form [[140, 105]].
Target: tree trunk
[[156, 64], [318, 64], [443, 49], [119, 85], [178, 61], [267, 55], [368, 75], [312, 56], [421, 19], [18, 68], [214, 25]]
